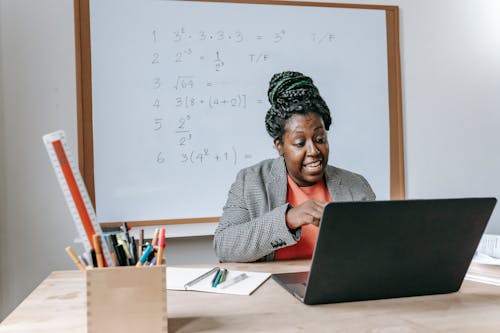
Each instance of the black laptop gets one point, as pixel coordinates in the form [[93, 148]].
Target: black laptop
[[384, 249]]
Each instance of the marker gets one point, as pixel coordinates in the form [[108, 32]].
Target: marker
[[161, 246], [125, 249], [201, 277], [223, 276], [134, 250], [132, 258], [75, 259], [145, 255], [94, 257], [217, 278], [120, 254], [98, 250], [141, 241]]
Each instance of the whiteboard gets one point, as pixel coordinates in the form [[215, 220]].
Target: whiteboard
[[179, 96]]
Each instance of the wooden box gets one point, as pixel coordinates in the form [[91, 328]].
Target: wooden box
[[127, 299]]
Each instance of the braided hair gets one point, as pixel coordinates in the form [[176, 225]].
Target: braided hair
[[293, 93]]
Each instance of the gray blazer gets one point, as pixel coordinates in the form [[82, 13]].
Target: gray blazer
[[253, 223]]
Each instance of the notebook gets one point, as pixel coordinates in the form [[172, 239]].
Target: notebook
[[384, 249], [248, 282]]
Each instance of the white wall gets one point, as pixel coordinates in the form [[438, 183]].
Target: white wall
[[3, 238], [450, 52], [38, 96]]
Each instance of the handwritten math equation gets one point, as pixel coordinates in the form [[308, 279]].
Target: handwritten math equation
[[238, 37], [182, 43], [189, 69], [203, 157]]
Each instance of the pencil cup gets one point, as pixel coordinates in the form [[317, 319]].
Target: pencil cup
[[127, 299]]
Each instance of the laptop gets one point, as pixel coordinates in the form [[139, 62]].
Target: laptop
[[384, 249]]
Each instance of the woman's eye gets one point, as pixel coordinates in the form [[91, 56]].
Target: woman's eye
[[320, 139], [299, 143]]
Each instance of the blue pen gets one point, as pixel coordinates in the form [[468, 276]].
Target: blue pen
[[217, 278], [145, 255]]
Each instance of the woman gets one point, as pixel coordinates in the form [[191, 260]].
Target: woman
[[274, 207]]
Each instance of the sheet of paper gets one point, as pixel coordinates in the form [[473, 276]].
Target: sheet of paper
[[177, 277], [482, 258], [484, 269], [489, 245], [482, 279]]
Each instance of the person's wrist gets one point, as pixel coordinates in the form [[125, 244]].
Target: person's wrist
[[290, 226]]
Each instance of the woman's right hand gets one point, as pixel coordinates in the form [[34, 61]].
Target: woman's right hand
[[309, 212]]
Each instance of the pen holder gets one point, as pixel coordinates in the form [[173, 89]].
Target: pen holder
[[127, 299]]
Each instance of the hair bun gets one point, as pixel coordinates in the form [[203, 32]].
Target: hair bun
[[293, 93], [287, 81]]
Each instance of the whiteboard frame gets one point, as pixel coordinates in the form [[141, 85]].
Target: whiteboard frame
[[84, 98]]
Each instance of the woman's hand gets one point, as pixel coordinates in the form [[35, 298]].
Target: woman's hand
[[308, 212]]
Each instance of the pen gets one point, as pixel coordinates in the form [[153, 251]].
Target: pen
[[237, 279], [151, 263], [83, 260], [201, 277], [114, 246], [141, 241], [223, 276], [132, 259], [75, 259], [125, 247], [161, 246], [217, 278], [125, 230], [145, 255], [98, 250], [94, 257], [121, 255], [134, 250]]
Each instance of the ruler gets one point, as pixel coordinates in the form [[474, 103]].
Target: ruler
[[75, 192]]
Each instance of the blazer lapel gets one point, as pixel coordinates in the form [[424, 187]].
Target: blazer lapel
[[277, 185], [338, 191]]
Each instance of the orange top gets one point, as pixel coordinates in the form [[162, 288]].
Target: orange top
[[295, 196]]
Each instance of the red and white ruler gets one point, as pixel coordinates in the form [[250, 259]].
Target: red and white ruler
[[75, 192]]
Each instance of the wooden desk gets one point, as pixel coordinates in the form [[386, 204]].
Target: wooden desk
[[58, 305]]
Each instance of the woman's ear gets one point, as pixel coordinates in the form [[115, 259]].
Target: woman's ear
[[279, 146]]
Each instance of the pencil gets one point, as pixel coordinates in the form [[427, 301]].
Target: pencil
[[161, 246], [75, 259], [155, 237], [98, 250]]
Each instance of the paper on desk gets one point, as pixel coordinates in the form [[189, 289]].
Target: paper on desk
[[484, 269], [485, 259], [177, 277], [489, 245]]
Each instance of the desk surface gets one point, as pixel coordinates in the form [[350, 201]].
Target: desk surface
[[58, 305]]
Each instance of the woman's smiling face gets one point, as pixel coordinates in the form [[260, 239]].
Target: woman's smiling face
[[304, 146]]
